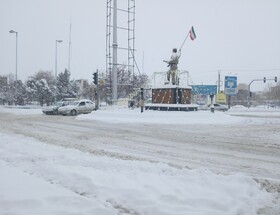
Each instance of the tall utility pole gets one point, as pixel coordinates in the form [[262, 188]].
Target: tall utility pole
[[219, 80], [115, 56], [57, 41], [15, 32], [96, 93], [69, 51], [118, 50]]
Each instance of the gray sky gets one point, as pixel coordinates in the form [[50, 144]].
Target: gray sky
[[235, 36]]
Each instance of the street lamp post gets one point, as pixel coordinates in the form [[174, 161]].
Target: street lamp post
[[57, 41], [15, 32]]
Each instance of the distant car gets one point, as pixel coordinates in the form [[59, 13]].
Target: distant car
[[219, 107], [238, 107], [77, 107], [202, 107], [53, 110]]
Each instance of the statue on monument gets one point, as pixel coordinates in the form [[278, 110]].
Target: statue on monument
[[173, 65]]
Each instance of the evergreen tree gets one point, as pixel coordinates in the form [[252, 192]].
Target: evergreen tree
[[31, 90], [20, 95], [63, 86], [44, 94]]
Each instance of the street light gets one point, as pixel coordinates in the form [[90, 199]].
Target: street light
[[15, 32], [57, 41]]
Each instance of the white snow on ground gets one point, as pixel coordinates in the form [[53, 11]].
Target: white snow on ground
[[181, 118], [113, 185], [37, 178], [18, 110], [160, 117]]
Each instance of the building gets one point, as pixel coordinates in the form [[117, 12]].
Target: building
[[3, 81]]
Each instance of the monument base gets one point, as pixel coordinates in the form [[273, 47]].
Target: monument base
[[171, 94]]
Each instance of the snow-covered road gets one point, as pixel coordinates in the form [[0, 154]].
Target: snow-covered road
[[222, 144], [247, 147]]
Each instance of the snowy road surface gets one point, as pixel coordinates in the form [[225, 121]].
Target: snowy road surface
[[125, 162]]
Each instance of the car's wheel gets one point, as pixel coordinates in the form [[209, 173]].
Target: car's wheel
[[73, 113]]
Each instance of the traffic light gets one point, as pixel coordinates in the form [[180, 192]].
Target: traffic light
[[275, 79], [95, 78], [264, 79]]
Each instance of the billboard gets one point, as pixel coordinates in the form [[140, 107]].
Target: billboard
[[230, 85], [221, 98], [204, 89]]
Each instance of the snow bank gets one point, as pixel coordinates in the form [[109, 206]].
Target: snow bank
[[37, 178], [235, 116], [124, 115], [21, 110], [25, 194]]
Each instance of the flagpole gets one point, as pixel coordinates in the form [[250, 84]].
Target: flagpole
[[184, 41]]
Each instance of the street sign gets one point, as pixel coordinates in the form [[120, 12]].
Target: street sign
[[230, 85], [221, 98], [204, 89]]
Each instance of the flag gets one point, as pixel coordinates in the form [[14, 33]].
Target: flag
[[192, 34]]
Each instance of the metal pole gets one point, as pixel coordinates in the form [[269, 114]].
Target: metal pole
[[69, 51], [97, 92], [142, 99], [229, 102], [16, 57], [15, 32], [115, 55], [248, 95], [143, 56], [219, 81], [57, 41], [184, 41], [177, 95], [249, 90], [212, 109], [16, 66], [55, 73]]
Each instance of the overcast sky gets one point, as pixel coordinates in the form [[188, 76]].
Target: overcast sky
[[238, 37]]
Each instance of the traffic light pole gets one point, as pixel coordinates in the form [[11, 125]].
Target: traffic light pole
[[96, 95], [249, 87], [142, 99], [96, 91]]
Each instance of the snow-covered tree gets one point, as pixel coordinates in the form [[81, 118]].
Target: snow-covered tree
[[272, 93], [46, 75], [31, 90], [39, 90], [63, 86], [20, 93], [44, 94], [127, 83]]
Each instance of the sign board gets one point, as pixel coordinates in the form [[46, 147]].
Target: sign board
[[221, 98], [230, 85], [204, 89]]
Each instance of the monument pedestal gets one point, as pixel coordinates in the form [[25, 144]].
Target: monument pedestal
[[171, 98], [171, 95]]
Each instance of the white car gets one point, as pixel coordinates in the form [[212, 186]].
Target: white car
[[219, 107], [53, 110], [77, 107]]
